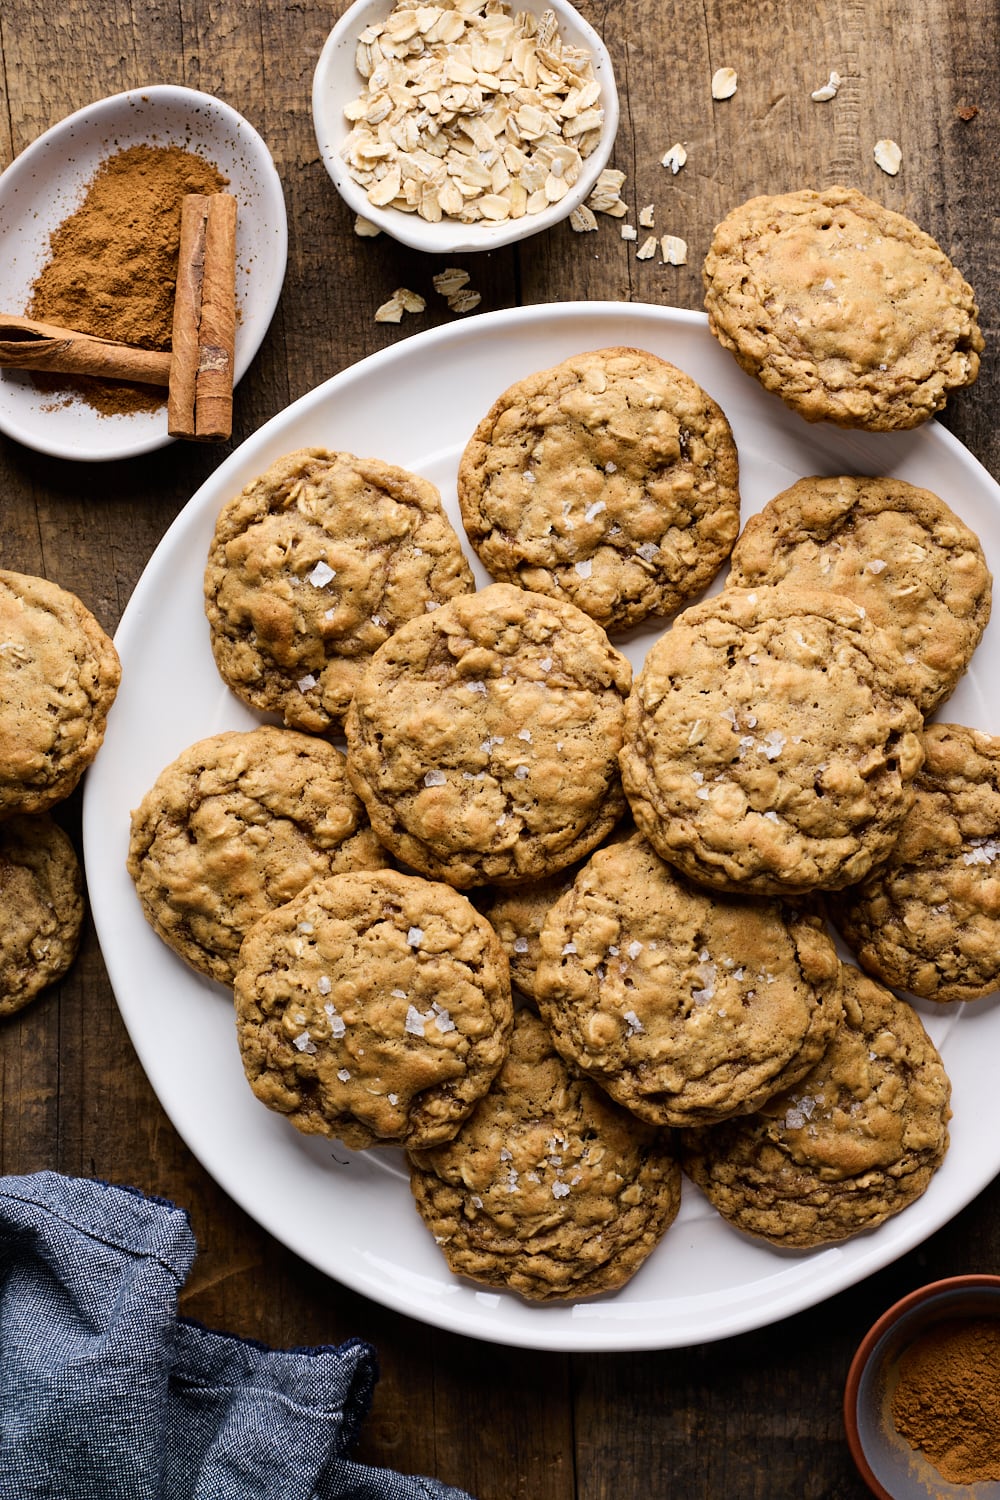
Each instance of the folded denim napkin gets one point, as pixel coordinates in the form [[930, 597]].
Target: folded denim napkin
[[107, 1394]]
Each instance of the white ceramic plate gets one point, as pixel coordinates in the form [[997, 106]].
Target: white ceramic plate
[[350, 1214], [43, 185]]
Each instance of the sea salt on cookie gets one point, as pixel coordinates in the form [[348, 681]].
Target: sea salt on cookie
[[312, 567], [928, 919], [855, 1141], [894, 548], [610, 480], [236, 825], [59, 673], [549, 1189], [845, 309], [767, 749], [686, 1006], [373, 1007], [484, 738], [41, 897]]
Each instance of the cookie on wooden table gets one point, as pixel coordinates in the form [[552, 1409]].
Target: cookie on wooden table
[[41, 897], [767, 748], [373, 1007], [847, 310], [236, 825], [928, 919], [484, 738], [894, 548], [855, 1141], [550, 1189], [311, 567], [611, 480], [685, 1005], [59, 674]]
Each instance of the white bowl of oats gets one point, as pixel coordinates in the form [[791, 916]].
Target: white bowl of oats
[[463, 125]]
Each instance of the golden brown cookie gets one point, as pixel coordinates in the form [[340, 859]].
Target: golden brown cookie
[[767, 750], [611, 480], [374, 1007], [845, 309], [59, 673], [853, 1142], [928, 919], [549, 1188], [312, 567], [236, 825], [686, 1006], [894, 548], [41, 898], [484, 738]]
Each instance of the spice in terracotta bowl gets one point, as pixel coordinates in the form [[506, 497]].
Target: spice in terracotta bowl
[[922, 1402]]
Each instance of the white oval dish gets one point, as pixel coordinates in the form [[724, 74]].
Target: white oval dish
[[336, 82], [43, 185], [351, 1213]]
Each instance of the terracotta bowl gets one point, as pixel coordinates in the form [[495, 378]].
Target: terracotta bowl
[[891, 1468]]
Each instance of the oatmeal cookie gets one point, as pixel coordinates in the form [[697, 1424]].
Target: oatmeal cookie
[[237, 825], [611, 480], [41, 897], [59, 673], [894, 548], [686, 1006], [483, 738], [549, 1189], [928, 919], [373, 1007], [845, 309], [312, 567], [854, 1142], [766, 749]]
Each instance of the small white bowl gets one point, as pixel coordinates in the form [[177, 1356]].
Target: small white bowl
[[43, 185], [336, 82]]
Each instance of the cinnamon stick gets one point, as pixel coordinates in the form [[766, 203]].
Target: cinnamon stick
[[28, 344], [200, 394]]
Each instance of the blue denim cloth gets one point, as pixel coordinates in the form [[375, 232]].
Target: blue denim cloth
[[106, 1394]]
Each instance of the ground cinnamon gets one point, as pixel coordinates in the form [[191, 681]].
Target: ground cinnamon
[[947, 1399], [113, 262]]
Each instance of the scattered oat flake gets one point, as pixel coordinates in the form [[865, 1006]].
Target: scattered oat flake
[[674, 158], [724, 81], [967, 112], [464, 301], [647, 249], [888, 156], [449, 281], [582, 219], [674, 250], [629, 232], [647, 216], [829, 89], [390, 311], [412, 302], [364, 228]]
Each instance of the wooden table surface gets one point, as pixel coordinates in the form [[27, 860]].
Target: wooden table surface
[[758, 1415]]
